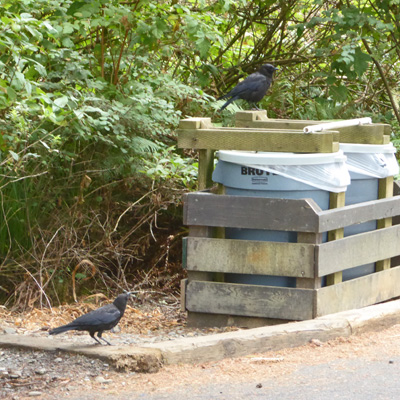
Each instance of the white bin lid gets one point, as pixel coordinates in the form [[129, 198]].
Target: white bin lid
[[269, 158], [367, 148]]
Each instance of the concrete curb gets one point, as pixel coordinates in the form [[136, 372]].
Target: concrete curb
[[150, 357], [121, 357]]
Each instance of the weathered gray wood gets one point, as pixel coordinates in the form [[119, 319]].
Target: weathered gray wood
[[200, 231], [250, 257], [250, 300], [357, 213], [281, 214], [309, 283], [358, 250], [250, 212], [184, 283], [360, 292], [395, 261], [396, 188], [257, 140]]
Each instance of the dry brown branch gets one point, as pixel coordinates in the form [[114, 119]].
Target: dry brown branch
[[80, 264]]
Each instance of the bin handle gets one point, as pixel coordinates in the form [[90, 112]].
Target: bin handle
[[337, 124]]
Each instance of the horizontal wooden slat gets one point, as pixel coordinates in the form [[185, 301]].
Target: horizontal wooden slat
[[250, 257], [249, 300], [360, 292], [256, 140], [250, 212], [363, 134], [356, 250], [357, 213]]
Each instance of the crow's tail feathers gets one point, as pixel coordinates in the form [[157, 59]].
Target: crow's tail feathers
[[228, 102], [60, 329]]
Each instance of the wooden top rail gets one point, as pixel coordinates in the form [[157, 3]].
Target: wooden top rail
[[200, 134], [304, 215], [358, 213], [205, 209], [366, 134]]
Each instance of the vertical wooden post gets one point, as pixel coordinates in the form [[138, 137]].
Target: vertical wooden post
[[336, 200], [385, 190], [314, 238], [206, 160], [206, 156], [220, 234], [246, 119], [206, 168], [184, 283]]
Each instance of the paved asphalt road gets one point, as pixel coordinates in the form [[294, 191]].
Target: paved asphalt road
[[355, 379]]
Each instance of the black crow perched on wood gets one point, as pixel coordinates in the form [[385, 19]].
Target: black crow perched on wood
[[100, 320], [253, 88]]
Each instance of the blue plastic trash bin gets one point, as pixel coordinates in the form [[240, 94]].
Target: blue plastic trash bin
[[278, 175]]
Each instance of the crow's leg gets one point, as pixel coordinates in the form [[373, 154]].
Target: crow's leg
[[99, 336], [92, 336]]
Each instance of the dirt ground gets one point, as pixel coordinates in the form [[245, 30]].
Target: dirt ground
[[155, 320], [29, 374]]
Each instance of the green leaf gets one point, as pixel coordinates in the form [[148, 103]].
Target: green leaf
[[49, 27], [361, 61], [40, 68], [331, 80], [12, 94], [61, 101], [2, 143], [67, 28], [67, 42], [203, 46], [339, 92], [15, 156]]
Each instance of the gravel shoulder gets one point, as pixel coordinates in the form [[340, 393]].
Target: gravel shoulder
[[29, 374]]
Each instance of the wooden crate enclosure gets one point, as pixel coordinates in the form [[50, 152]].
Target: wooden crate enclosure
[[208, 256], [308, 260]]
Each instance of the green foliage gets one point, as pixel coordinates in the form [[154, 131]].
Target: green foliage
[[169, 168], [92, 91]]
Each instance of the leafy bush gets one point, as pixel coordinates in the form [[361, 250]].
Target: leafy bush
[[92, 91]]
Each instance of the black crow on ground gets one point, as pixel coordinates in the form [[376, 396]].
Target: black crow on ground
[[100, 320], [253, 88]]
